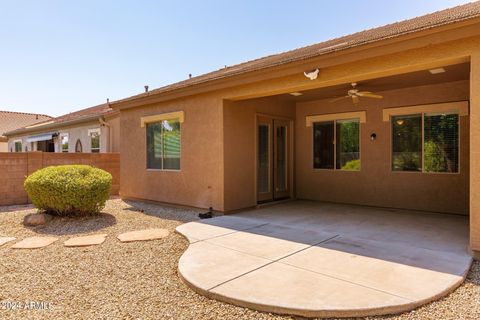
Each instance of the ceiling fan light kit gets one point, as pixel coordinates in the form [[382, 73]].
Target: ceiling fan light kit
[[355, 94]]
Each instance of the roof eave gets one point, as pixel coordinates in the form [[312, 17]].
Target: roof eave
[[51, 126]]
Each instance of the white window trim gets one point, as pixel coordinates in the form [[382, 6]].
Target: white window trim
[[93, 131], [61, 136], [14, 145]]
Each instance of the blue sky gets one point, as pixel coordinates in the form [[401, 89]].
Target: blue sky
[[60, 56]]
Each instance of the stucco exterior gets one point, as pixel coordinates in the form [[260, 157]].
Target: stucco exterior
[[218, 157], [199, 182], [109, 136], [376, 184]]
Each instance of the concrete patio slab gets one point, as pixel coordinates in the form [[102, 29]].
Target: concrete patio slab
[[143, 235], [281, 288], [4, 240], [271, 242], [86, 241], [34, 243], [209, 228], [325, 260], [206, 265], [383, 274]]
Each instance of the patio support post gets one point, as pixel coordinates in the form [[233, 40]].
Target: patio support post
[[475, 154]]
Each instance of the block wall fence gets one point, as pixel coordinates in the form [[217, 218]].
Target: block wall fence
[[15, 167]]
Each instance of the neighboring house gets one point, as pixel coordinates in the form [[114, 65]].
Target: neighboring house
[[95, 129], [273, 128], [10, 120]]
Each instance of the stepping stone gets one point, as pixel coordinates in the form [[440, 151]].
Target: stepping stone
[[84, 241], [143, 235], [34, 242], [4, 240]]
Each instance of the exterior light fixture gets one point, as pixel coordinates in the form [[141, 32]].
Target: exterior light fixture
[[312, 74], [373, 136], [296, 94]]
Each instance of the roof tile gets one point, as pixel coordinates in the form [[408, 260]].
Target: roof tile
[[436, 19]]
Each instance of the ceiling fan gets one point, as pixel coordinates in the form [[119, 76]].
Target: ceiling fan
[[355, 94]]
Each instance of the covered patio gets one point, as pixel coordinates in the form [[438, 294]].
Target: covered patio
[[320, 259]]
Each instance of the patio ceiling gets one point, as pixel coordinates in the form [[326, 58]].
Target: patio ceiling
[[452, 73]]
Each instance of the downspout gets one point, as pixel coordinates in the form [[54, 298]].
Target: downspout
[[104, 123]]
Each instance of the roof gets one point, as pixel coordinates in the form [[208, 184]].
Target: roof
[[10, 120], [82, 115], [429, 21]]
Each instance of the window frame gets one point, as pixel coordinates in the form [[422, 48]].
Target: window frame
[[160, 119], [15, 145], [422, 113], [62, 135], [313, 121], [91, 133]]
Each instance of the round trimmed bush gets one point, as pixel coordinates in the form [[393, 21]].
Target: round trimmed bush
[[69, 190]]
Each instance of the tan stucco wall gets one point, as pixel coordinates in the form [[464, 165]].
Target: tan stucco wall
[[475, 153], [199, 182], [391, 57], [376, 184], [3, 146], [114, 133], [240, 143], [75, 132]]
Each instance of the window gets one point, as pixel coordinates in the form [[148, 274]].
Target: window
[[18, 146], [426, 142], [64, 142], [407, 143], [336, 145], [163, 145], [94, 140]]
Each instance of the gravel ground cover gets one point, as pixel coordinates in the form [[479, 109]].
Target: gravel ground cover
[[135, 280]]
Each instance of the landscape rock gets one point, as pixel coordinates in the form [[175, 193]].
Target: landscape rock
[[36, 219]]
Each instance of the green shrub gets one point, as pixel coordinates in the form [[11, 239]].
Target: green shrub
[[69, 190], [352, 165]]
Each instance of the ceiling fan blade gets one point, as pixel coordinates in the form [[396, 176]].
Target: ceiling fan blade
[[368, 94], [338, 99], [355, 99]]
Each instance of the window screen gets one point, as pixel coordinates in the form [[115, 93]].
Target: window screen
[[407, 143], [323, 147], [163, 145], [64, 142], [347, 144], [441, 142], [433, 147]]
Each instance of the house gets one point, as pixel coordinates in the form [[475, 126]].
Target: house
[[94, 129], [10, 120], [386, 117]]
